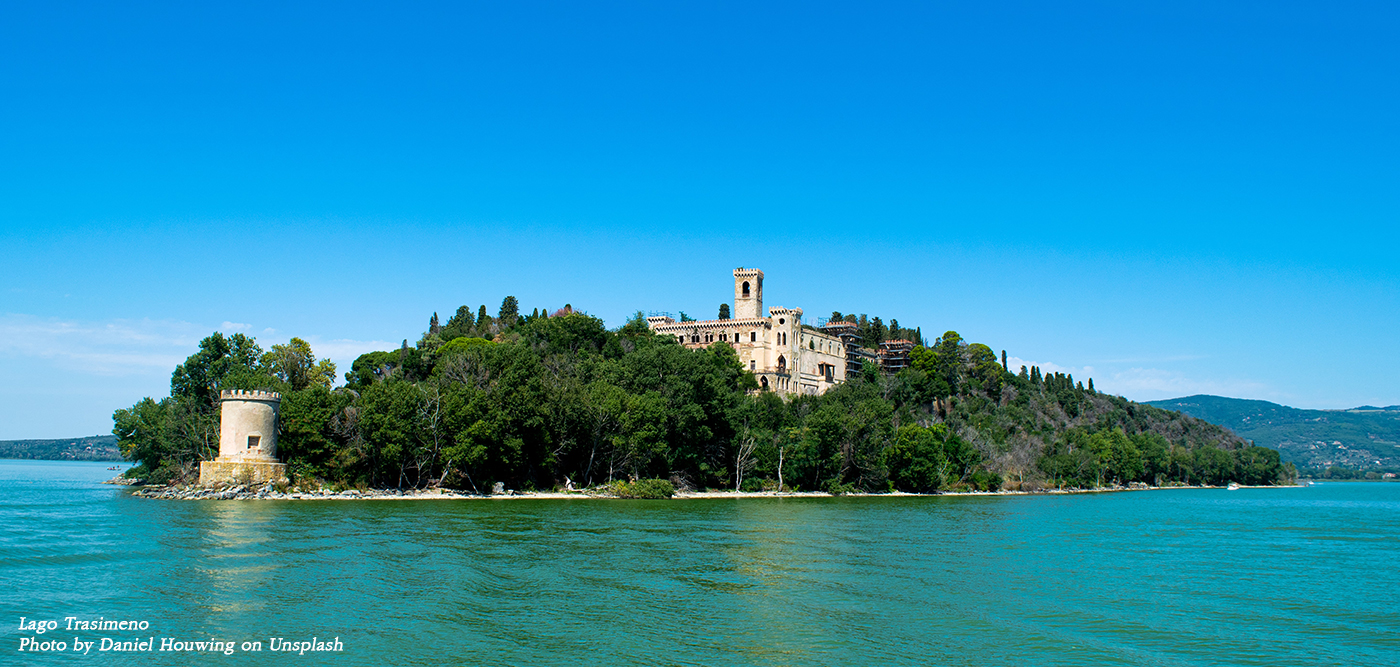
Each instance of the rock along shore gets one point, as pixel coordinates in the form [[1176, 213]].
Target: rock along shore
[[269, 492]]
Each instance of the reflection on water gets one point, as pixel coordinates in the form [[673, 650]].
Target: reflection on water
[[236, 566], [1173, 577]]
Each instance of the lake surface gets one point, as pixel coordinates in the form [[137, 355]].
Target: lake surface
[[1180, 577]]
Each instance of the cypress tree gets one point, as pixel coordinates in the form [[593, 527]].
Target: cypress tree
[[433, 327], [510, 311], [1004, 369]]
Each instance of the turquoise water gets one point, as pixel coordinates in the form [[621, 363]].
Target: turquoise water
[[1183, 577]]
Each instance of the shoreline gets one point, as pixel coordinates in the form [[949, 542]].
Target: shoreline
[[265, 492]]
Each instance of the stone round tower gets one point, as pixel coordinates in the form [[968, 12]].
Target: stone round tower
[[247, 439], [248, 425]]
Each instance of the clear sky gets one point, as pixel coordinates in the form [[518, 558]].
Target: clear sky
[[1169, 197]]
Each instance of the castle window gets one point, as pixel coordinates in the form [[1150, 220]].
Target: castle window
[[753, 336], [253, 441], [746, 288], [753, 365], [782, 364]]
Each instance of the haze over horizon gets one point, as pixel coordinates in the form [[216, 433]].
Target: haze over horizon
[[1170, 198]]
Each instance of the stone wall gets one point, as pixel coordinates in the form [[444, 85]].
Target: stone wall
[[240, 472]]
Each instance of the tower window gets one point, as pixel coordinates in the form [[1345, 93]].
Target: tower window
[[253, 441], [753, 336], [753, 365], [746, 288]]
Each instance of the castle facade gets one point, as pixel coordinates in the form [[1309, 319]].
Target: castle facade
[[784, 356]]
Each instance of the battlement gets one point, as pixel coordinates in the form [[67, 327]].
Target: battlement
[[742, 272], [778, 310], [249, 395]]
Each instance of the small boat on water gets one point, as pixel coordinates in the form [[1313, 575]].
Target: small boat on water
[[1233, 487]]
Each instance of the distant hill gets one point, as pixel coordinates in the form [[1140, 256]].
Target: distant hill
[[90, 448], [1364, 438]]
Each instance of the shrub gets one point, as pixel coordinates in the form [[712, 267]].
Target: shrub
[[985, 481], [836, 488], [644, 489]]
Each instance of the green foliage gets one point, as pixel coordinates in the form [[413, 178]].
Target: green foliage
[[916, 460], [644, 489], [221, 363], [538, 402], [509, 312], [723, 311], [296, 366]]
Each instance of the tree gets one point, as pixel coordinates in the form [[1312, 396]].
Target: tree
[[723, 311], [459, 325], [296, 365], [509, 313], [220, 363], [916, 460], [433, 327]]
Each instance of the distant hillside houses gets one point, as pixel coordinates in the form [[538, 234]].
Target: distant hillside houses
[[784, 355]]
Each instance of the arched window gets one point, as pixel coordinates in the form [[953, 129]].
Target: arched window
[[763, 381], [746, 288], [782, 363]]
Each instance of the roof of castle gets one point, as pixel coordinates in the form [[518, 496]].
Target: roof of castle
[[713, 324]]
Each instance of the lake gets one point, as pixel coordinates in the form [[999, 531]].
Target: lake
[[1173, 577]]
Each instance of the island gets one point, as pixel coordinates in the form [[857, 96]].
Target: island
[[766, 401]]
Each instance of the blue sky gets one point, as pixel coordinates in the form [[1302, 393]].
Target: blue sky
[[1171, 198]]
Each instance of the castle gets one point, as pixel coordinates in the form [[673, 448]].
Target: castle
[[784, 356], [247, 440]]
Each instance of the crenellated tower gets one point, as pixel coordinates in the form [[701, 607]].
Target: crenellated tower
[[247, 440]]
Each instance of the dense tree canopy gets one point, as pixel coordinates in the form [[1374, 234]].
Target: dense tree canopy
[[536, 402]]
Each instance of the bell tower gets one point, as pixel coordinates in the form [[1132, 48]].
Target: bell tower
[[748, 293]]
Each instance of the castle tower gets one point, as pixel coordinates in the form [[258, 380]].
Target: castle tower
[[248, 425], [748, 293], [247, 440]]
